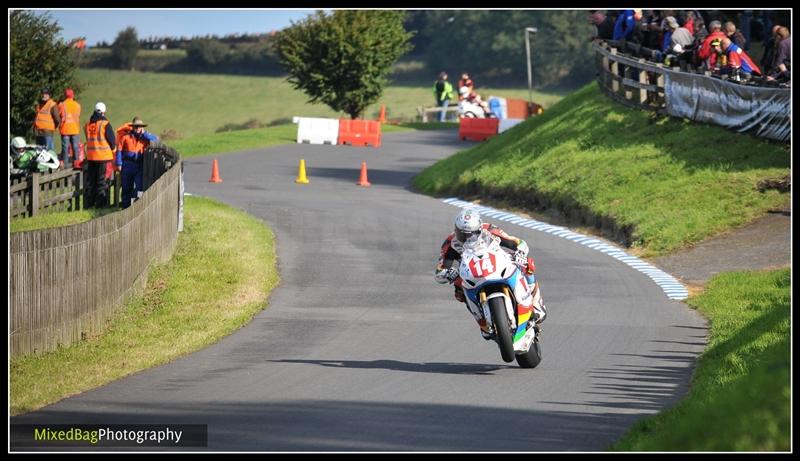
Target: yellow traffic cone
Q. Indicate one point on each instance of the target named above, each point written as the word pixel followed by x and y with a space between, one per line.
pixel 301 175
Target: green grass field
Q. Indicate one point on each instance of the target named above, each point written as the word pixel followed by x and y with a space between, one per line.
pixel 740 399
pixel 206 291
pixel 194 105
pixel 672 182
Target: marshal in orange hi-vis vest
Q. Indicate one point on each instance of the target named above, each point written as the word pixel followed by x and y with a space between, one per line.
pixel 97 148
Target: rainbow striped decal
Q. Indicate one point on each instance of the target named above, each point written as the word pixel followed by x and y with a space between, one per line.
pixel 523 314
pixel 671 287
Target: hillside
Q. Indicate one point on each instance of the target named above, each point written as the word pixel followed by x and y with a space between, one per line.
pixel 654 183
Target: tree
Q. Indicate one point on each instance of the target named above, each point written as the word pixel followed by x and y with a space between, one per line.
pixel 342 59
pixel 39 59
pixel 125 48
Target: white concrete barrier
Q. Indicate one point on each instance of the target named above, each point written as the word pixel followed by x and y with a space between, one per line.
pixel 508 123
pixel 317 130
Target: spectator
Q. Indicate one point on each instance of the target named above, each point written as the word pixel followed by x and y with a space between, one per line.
pixel 443 92
pixel 465 94
pixel 604 25
pixel 705 54
pixel 770 48
pixel 70 112
pixel 626 22
pixel 734 35
pixel 737 59
pixel 47 119
pixel 652 30
pixel 465 82
pixel 100 142
pixel 781 65
pixel 688 21
pixel 679 37
pixel 130 157
pixel 745 19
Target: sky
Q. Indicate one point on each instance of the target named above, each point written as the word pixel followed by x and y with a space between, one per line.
pixel 104 25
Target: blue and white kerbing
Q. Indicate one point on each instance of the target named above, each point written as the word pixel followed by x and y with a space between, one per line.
pixel 672 288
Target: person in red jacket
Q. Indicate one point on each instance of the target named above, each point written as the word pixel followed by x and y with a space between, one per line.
pixel 465 82
pixel 705 53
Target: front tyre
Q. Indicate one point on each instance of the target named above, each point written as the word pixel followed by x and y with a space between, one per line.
pixel 502 328
pixel 531 358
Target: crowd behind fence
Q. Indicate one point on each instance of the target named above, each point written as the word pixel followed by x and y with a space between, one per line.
pixel 639 83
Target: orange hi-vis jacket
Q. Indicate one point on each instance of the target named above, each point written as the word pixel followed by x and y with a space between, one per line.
pixel 44 119
pixel 97 146
pixel 70 112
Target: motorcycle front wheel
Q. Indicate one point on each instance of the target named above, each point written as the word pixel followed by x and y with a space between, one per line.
pixel 502 329
pixel 531 358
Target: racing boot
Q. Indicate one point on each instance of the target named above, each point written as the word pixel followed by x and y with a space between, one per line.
pixel 484 329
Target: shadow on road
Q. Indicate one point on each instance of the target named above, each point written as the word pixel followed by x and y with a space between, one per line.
pixel 424 367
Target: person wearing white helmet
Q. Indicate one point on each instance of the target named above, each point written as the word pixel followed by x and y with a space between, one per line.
pixel 469 223
pixel 25 158
pixel 100 145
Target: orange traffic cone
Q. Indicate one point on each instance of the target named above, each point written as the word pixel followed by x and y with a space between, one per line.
pixel 363 180
pixel 215 172
pixel 301 174
pixel 382 117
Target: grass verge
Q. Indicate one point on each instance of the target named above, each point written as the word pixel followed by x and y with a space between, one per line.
pixel 207 290
pixel 665 183
pixel 740 398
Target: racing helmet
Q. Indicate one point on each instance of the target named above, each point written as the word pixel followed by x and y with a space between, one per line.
pixel 463 91
pixel 468 223
pixel 18 144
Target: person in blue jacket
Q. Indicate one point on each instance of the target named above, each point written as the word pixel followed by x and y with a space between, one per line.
pixel 626 21
pixel 130 158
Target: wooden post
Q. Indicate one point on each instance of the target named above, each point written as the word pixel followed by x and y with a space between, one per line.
pixel 660 83
pixel 642 80
pixel 614 72
pixel 33 209
pixel 627 75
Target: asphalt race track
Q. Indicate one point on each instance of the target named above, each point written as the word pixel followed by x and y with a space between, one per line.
pixel 360 350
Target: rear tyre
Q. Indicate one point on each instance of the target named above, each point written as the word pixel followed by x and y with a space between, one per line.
pixel 502 328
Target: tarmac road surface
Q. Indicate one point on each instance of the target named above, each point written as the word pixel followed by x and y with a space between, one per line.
pixel 360 350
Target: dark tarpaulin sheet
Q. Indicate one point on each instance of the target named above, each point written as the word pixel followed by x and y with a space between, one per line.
pixel 766 112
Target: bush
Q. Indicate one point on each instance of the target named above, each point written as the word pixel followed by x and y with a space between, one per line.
pixel 125 48
pixel 206 51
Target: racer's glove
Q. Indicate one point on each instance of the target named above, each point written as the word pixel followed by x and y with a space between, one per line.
pixel 452 274
pixel 521 258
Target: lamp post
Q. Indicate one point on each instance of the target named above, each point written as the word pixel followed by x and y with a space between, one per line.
pixel 528 31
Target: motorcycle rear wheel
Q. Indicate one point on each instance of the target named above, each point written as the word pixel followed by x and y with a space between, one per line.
pixel 531 358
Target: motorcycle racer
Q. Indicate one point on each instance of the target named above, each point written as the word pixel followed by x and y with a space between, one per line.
pixel 469 223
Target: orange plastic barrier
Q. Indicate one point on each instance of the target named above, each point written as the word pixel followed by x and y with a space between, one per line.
pixel 477 129
pixel 360 132
pixel 517 108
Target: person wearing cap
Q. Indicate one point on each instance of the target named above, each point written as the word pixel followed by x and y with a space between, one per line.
pixel 677 38
pixel 47 119
pixel 130 157
pixel 70 128
pixel 100 143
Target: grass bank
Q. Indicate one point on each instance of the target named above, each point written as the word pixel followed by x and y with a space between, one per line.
pixel 658 184
pixel 206 291
pixel 740 399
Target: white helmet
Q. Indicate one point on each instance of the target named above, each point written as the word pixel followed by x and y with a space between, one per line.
pixel 100 107
pixel 18 143
pixel 463 90
pixel 468 223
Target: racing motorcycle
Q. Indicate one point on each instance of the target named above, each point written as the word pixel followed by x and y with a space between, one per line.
pixel 467 109
pixel 35 159
pixel 496 290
